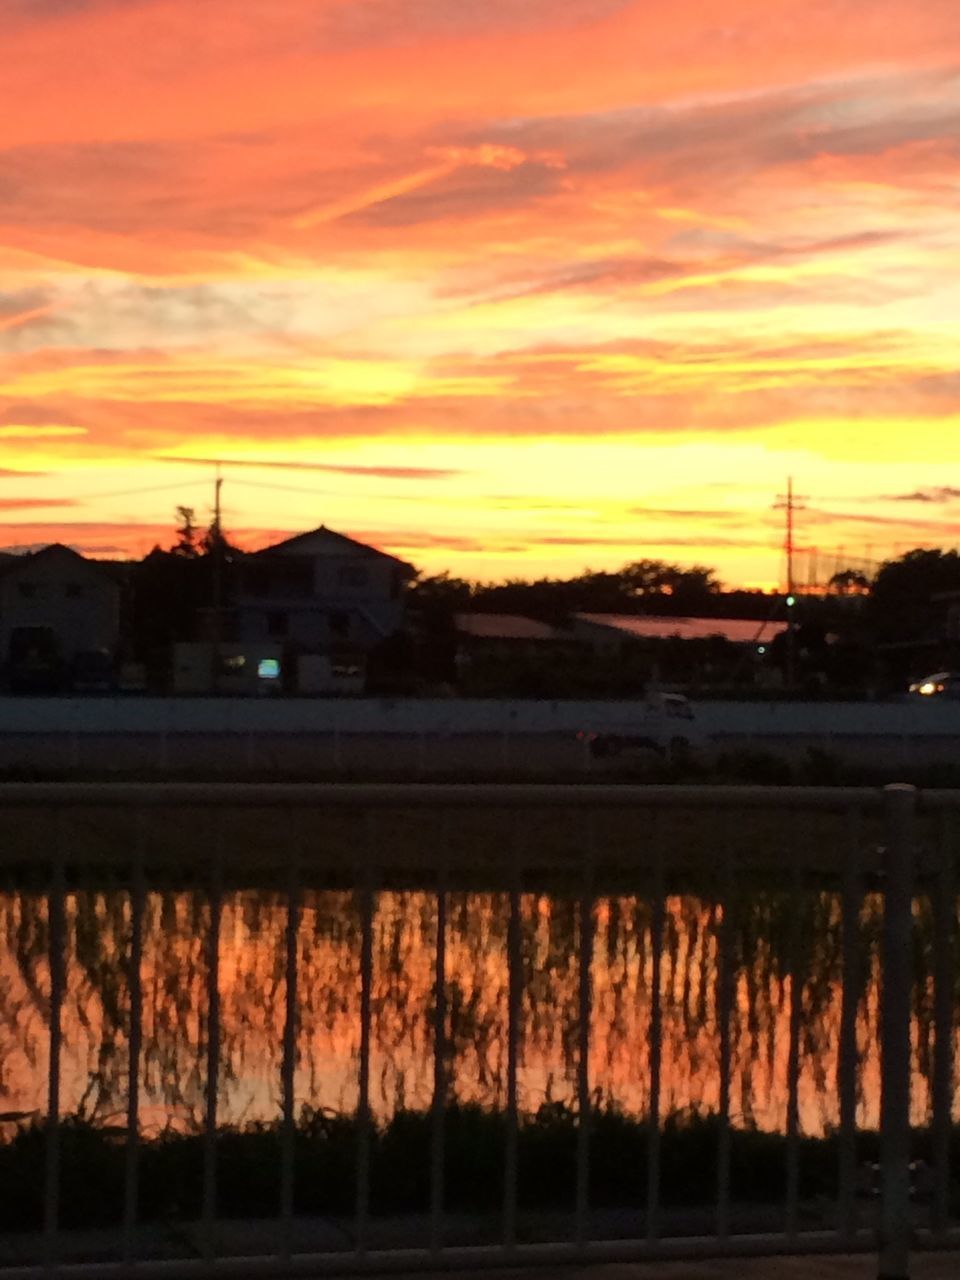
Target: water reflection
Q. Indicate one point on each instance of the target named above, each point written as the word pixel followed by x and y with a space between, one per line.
pixel 252 988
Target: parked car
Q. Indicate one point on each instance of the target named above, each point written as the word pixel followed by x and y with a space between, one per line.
pixel 942 684
pixel 664 723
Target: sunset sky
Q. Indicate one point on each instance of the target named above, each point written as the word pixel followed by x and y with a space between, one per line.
pixel 503 286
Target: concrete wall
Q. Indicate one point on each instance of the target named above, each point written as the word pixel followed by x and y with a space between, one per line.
pixel 346 737
pixel 96 715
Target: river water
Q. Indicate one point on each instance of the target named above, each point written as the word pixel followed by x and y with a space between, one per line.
pixel 252 990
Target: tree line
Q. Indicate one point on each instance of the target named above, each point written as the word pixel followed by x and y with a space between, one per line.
pixel 865 634
pixel 865 631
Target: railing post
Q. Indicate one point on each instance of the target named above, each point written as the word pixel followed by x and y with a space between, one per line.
pixel 288 1070
pixel 514 1014
pixel 367 905
pixel 138 894
pixel 945 967
pixel 897 967
pixel 56 942
pixel 440 1074
pixel 848 1057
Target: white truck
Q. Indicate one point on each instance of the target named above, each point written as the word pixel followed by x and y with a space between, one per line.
pixel 664 723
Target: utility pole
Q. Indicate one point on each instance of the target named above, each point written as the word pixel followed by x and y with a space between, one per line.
pixel 216 551
pixel 791 653
pixel 788 545
pixel 217 486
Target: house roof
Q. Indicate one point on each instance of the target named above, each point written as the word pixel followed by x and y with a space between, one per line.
pixel 736 630
pixel 505 626
pixel 12 564
pixel 330 543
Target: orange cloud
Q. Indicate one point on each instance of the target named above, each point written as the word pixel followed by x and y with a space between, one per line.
pixel 311 229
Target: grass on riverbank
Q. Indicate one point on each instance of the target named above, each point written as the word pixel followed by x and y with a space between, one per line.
pixel 171 1166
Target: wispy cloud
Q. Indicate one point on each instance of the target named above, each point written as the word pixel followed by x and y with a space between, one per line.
pixel 937 494
pixel 335 235
pixel 356 469
pixel 35 504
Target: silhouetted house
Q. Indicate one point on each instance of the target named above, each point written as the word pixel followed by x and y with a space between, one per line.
pixel 321 593
pixel 55 605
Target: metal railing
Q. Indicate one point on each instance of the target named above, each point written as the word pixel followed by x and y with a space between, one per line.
pixel 893 844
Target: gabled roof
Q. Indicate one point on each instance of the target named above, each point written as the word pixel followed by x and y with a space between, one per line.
pixel 337 543
pixel 13 564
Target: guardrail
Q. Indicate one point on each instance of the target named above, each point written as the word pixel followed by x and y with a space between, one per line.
pixel 892 844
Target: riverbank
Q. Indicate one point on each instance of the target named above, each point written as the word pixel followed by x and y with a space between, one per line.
pixel 325 1150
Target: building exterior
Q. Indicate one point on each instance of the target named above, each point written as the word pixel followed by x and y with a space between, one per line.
pixel 504 634
pixel 505 653
pixel 244 670
pixel 607 632
pixel 321 594
pixel 55 605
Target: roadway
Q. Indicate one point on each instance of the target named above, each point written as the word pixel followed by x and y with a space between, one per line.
pixel 370 737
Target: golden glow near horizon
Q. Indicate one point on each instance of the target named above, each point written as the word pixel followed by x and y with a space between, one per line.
pixel 508 289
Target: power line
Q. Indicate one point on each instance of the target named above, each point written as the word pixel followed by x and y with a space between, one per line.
pixel 283 488
pixel 332 493
pixel 132 493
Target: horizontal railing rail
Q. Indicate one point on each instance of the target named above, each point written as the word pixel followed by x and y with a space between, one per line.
pixel 400 795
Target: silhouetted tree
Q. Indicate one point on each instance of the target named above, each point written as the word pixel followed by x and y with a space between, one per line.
pixel 169 589
pixel 849 582
pixel 902 604
pixel 440 595
pixel 186 545
pixel 645 586
pixel 433 603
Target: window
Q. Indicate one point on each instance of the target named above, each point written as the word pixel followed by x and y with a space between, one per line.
pixel 278 623
pixel 352 575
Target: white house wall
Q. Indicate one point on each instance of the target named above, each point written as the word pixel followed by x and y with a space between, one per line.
pixel 375 607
